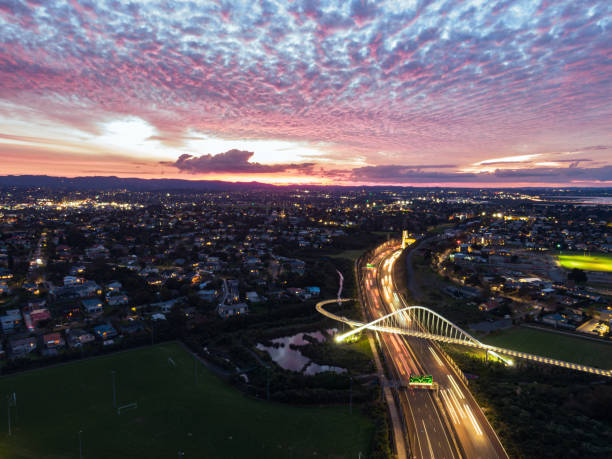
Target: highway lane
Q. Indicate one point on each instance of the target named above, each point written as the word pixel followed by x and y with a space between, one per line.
pixel 473 431
pixel 427 434
pixel 476 437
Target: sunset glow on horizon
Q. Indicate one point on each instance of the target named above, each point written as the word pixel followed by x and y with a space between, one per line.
pixel 419 92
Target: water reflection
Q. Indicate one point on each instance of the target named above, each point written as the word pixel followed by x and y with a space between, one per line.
pixel 292 359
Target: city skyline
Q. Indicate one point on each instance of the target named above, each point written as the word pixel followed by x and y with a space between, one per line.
pixel 421 93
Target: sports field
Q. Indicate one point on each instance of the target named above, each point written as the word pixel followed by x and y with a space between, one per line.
pixel 174 415
pixel 599 262
pixel 555 345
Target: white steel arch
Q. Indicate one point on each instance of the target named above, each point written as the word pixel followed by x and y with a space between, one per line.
pixel 422 322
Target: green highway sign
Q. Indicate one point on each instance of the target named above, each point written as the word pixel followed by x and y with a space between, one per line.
pixel 420 380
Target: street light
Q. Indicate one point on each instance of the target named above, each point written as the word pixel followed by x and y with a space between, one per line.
pixel 80 445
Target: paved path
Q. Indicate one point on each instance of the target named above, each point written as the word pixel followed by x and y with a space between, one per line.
pixel 574 335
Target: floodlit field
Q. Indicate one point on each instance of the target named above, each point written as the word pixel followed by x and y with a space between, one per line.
pixel 210 419
pixel 599 262
pixel 555 345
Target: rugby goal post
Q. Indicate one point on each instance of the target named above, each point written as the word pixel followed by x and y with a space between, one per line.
pixel 127 407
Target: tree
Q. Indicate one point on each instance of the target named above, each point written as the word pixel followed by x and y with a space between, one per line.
pixel 176 321
pixel 577 275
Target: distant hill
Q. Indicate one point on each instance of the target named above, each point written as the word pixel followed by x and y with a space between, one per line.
pixel 130 184
pixel 108 183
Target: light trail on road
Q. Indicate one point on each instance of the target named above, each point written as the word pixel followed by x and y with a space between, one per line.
pixel 441 425
pixel 436 356
pixel 419 408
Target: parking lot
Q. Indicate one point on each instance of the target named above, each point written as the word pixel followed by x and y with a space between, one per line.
pixel 594 327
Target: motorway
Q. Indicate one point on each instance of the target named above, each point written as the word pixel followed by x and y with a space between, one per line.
pixel 446 424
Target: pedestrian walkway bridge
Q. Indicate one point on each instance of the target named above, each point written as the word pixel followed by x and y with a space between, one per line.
pixel 421 322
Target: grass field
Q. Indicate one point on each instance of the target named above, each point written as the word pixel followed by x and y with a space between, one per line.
pixel 363 346
pixel 549 344
pixel 599 262
pixel 210 419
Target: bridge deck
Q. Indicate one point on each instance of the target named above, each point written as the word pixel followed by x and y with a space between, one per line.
pixel 420 319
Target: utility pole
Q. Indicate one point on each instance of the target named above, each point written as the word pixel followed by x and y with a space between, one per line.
pixel 340 287
pixel 341 284
pixel 11 400
pixel 80 445
pixel 351 395
pixel 195 369
pixel 114 390
pixel 268 383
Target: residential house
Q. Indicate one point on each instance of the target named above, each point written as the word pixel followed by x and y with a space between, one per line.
pixel 39 315
pixel 116 298
pixel 489 305
pixel 131 328
pixel 11 319
pixel 53 340
pixel 22 346
pixel 105 331
pixel 229 310
pixel 114 286
pixel 88 288
pixel 253 297
pixel 557 320
pixel 77 337
pixel 92 306
pixel 208 295
pixel 313 291
pixel 71 281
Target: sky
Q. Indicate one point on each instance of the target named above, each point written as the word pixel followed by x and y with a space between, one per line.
pixel 415 92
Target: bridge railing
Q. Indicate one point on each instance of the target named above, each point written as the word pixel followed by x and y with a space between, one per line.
pixel 408 321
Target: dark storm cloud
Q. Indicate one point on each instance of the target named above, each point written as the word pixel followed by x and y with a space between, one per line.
pixel 232 162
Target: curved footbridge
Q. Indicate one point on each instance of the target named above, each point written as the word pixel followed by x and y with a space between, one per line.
pixel 422 322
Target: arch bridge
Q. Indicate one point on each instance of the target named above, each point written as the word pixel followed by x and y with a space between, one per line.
pixel 422 322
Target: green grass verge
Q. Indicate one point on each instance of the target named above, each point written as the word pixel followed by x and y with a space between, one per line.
pixel 210 419
pixel 598 262
pixel 440 228
pixel 348 254
pixel 555 345
pixel 362 346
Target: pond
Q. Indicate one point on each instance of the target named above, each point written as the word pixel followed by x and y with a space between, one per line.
pixel 292 359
